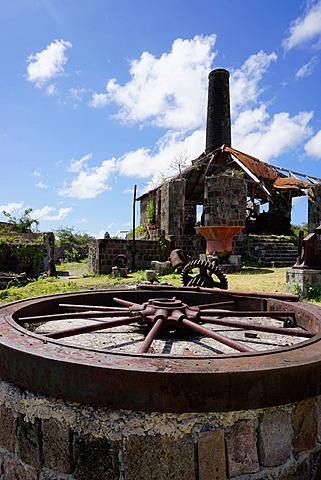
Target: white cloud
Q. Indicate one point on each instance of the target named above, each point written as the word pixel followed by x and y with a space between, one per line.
pixel 50 213
pixel 99 100
pixel 78 165
pixel 313 146
pixel 99 235
pixel 255 132
pixel 245 88
pixel 41 185
pixel 36 173
pixel 169 91
pixel 307 69
pixel 143 163
pixel 51 90
pixel 306 28
pixel 11 207
pixel 77 93
pixel 89 182
pixel 48 63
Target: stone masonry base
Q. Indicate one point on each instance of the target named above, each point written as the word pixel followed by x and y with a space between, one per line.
pixel 47 439
pixel 299 281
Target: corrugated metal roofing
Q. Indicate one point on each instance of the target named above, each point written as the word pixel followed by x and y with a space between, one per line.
pixel 264 179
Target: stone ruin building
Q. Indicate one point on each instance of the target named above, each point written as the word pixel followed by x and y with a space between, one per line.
pixel 229 187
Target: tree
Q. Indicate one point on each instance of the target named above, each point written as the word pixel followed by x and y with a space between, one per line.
pixel 180 162
pixel 68 235
pixel 24 224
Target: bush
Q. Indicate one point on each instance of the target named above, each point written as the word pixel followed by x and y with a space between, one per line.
pixel 72 256
pixel 314 293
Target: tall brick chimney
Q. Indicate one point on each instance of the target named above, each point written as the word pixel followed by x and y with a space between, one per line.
pixel 218 126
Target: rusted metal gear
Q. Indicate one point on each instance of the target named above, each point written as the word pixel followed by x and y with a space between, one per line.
pixel 205 276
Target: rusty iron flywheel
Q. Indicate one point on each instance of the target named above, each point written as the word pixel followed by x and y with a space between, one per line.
pixel 162 348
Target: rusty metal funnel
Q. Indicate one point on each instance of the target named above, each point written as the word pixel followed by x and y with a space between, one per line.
pixel 219 238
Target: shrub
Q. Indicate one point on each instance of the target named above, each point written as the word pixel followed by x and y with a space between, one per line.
pixel 314 293
pixel 72 256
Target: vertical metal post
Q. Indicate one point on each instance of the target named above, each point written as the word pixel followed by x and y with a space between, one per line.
pixel 134 227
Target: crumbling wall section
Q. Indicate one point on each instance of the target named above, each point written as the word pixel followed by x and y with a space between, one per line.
pixel 26 252
pixel 172 210
pixel 314 207
pixel 102 254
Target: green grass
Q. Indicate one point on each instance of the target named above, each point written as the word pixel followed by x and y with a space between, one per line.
pixel 75 276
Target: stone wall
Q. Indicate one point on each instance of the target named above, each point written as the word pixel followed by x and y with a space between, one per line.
pixel 36 249
pixel 144 202
pixel 48 439
pixel 190 217
pixel 314 208
pixel 102 254
pixel 192 245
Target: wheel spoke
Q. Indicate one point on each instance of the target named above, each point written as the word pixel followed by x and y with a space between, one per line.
pixel 216 336
pixel 98 308
pixel 257 326
pixel 93 327
pixel 151 336
pixel 71 316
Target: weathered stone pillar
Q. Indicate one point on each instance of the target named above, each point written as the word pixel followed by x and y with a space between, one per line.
pixel 314 207
pixel 173 207
pixel 225 200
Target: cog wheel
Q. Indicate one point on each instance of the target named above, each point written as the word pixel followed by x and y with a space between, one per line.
pixel 205 276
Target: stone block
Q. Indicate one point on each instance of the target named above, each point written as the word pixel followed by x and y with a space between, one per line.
pixel 15 470
pixel 242 456
pixel 7 429
pixel 299 470
pixel 95 458
pixel 304 426
pixel 158 457
pixel 119 272
pixel 274 438
pixel 211 455
pixel 151 275
pixel 301 280
pixel 318 417
pixel 47 474
pixel 315 465
pixel 57 446
pixel 29 442
pixel 162 268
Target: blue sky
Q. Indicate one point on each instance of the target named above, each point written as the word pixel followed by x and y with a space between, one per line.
pixel 100 95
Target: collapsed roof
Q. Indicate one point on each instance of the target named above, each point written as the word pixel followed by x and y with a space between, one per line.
pixel 264 180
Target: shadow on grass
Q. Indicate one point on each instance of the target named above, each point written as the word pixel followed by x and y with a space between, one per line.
pixel 255 270
pixel 63 273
